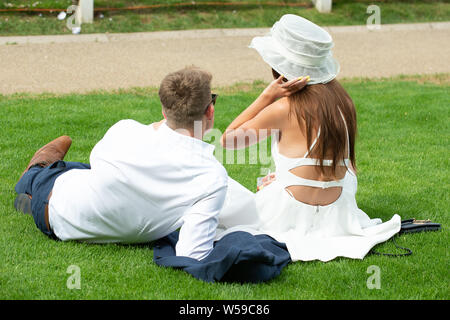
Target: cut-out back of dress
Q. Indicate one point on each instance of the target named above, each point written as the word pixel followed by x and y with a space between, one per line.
pixel 289 180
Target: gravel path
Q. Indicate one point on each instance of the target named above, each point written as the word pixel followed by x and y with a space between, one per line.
pixel 81 63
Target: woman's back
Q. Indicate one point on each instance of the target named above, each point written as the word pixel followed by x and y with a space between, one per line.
pixel 293 149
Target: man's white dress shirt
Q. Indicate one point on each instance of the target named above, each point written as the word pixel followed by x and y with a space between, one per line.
pixel 143 184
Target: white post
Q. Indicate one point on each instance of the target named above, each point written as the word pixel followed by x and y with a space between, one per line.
pixel 323 6
pixel 85 12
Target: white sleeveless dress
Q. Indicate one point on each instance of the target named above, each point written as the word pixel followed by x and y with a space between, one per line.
pixel 310 232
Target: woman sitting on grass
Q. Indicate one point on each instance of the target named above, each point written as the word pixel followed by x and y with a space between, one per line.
pixel 309 203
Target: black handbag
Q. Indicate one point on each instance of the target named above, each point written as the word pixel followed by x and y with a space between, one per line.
pixel 413 225
pixel 410 226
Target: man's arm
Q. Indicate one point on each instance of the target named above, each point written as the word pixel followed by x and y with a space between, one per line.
pixel 199 228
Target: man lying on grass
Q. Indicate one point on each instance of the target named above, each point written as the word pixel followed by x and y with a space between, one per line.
pixel 143 181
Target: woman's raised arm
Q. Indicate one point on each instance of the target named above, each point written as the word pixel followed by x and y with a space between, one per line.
pixel 266 113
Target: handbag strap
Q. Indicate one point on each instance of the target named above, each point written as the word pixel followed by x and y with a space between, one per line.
pixel 407 253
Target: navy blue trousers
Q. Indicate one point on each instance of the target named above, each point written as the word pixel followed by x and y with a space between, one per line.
pixel 38 182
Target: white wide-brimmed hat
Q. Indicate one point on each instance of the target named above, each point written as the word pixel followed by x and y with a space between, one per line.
pixel 296 47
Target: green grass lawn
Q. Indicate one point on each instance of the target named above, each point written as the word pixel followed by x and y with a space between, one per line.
pixel 256 14
pixel 403 162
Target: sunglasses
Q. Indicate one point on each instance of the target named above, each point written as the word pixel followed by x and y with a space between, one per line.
pixel 213 100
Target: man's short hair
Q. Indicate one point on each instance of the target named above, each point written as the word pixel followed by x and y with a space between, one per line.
pixel 184 95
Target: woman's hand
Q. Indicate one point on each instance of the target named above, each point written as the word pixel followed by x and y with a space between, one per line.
pixel 278 89
pixel 266 181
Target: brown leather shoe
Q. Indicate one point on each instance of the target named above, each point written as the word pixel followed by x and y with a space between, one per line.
pixel 51 152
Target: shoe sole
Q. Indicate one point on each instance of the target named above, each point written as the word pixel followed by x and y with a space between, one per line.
pixel 23 203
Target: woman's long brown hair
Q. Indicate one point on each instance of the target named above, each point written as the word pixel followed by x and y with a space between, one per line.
pixel 320 106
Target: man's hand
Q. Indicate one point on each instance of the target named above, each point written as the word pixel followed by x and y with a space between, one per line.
pixel 279 89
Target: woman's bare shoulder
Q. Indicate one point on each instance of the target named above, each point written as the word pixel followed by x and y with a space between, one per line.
pixel 278 110
pixel 281 105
